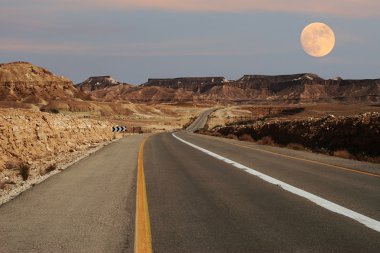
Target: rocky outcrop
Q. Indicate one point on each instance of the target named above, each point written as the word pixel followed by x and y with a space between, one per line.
pixel 296 88
pixel 28 135
pixel 358 134
pixel 194 84
pixel 41 139
pixel 97 82
pixel 25 83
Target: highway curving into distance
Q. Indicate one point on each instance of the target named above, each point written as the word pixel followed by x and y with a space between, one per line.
pixel 200 121
pixel 198 194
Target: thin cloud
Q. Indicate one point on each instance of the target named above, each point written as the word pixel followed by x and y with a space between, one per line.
pixel 343 8
pixel 349 8
pixel 169 48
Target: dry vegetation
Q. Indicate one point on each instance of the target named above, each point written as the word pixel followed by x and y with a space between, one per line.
pixel 55 121
pixel 251 113
pixel 347 131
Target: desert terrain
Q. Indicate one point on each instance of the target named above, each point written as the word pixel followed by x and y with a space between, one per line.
pixel 47 121
pixel 234 114
pixel 346 130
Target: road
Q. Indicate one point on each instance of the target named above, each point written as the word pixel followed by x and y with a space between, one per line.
pixel 201 204
pixel 201 121
pixel 89 207
pixel 202 194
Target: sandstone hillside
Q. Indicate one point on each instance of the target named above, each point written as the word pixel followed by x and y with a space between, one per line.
pixel 24 83
pixel 305 88
pixel 41 139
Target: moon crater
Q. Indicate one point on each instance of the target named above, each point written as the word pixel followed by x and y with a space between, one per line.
pixel 317 39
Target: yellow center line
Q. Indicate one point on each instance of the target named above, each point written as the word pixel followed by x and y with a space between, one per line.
pixel 311 161
pixel 143 238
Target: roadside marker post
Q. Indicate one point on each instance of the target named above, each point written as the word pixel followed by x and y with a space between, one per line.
pixel 119 129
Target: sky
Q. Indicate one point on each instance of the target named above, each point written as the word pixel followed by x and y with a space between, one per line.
pixel 133 40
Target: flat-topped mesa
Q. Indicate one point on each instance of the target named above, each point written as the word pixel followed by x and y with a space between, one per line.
pixel 267 81
pixel 97 82
pixel 195 84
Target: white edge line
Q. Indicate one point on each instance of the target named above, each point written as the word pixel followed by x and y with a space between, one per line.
pixel 368 222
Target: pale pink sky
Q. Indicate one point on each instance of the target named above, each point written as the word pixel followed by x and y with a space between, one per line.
pixel 133 40
pixel 350 8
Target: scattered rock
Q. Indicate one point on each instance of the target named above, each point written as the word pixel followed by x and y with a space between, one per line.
pixel 349 136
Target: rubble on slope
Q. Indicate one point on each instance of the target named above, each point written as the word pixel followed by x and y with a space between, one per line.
pixel 38 142
pixel 359 135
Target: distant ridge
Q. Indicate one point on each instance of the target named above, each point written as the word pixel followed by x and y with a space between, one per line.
pixel 25 83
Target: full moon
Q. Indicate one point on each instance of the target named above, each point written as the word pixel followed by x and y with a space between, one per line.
pixel 317 39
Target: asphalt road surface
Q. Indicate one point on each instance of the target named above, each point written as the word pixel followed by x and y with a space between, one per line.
pixel 199 201
pixel 89 207
pixel 201 121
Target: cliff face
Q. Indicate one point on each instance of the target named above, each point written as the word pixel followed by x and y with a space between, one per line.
pixel 194 84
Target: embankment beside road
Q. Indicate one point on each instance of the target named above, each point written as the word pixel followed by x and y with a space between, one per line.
pixel 34 143
pixel 356 137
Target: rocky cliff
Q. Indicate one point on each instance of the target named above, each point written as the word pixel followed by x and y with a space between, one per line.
pixel 194 84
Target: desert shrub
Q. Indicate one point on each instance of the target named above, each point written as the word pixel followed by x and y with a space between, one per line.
pixel 266 140
pixel 51 168
pixel 216 127
pixel 49 110
pixel 54 110
pixel 343 153
pixel 370 159
pixel 11 165
pixel 190 121
pixel 295 146
pixel 231 136
pixel 246 137
pixel 24 171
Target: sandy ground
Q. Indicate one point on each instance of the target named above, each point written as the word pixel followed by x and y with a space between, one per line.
pixel 69 135
pixel 153 118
